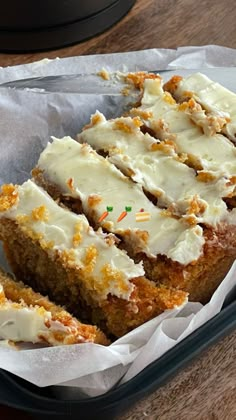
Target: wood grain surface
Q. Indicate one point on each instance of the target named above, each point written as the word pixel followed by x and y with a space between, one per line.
pixel 205 390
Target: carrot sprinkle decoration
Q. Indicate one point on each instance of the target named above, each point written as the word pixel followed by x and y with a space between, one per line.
pixel 124 213
pixel 122 216
pixel 105 214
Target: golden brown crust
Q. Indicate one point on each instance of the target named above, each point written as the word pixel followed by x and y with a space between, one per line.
pixel 148 302
pixel 201 278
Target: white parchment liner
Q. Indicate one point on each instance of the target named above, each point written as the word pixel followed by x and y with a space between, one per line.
pixel 28 119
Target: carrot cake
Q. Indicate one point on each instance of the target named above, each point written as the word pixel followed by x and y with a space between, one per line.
pixel 170 160
pixel 174 252
pixel 27 316
pixel 217 102
pixel 58 252
pixel 135 215
pixel 160 170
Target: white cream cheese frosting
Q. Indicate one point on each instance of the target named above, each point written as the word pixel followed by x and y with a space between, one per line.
pixel 24 324
pixel 80 172
pixel 158 168
pixel 19 322
pixel 105 268
pixel 214 97
pixel 215 152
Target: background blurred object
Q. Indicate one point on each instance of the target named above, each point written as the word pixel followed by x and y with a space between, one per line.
pixel 26 26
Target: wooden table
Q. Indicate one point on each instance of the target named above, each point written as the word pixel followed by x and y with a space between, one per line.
pixel 206 389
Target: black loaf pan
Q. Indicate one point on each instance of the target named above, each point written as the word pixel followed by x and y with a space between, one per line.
pixel 29 25
pixel 42 404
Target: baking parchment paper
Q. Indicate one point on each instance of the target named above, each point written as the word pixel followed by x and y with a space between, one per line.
pixel 28 119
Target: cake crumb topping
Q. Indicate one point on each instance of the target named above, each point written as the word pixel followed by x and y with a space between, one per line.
pixel 40 214
pixel 166 146
pixel 169 98
pixel 8 196
pixel 104 74
pixel 172 84
pixel 90 259
pixel 145 115
pixel 77 237
pixel 205 176
pixel 95 119
pixel 139 77
pixel 94 200
pixel 127 126
pixel 111 275
pixel 70 183
pixel 196 206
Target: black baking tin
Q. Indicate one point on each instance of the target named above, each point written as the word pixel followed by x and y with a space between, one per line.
pixel 41 402
pixel 26 25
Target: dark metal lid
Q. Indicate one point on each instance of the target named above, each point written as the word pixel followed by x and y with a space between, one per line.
pixel 24 26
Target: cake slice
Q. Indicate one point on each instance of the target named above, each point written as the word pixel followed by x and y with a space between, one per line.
pixel 194 134
pixel 217 101
pixel 78 172
pixel 176 252
pixel 159 169
pixel 27 316
pixel 58 253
